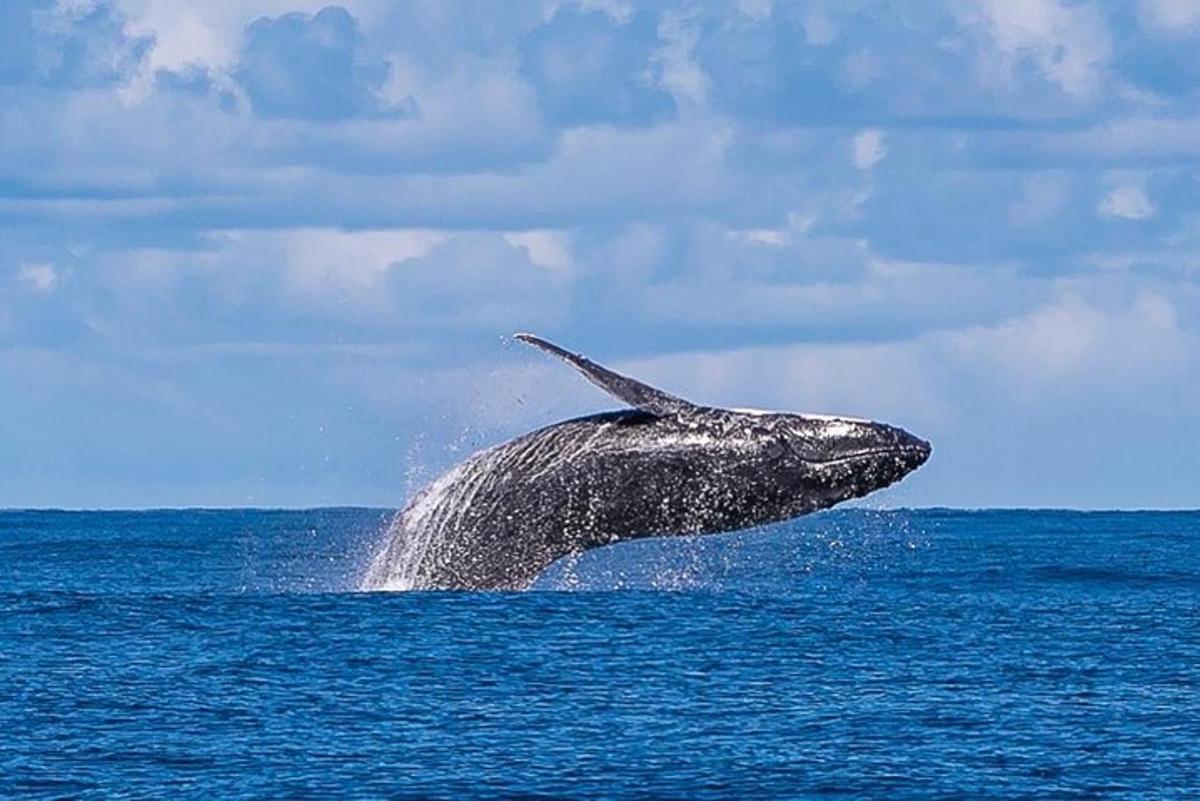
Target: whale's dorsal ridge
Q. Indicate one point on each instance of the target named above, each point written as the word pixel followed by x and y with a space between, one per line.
pixel 630 390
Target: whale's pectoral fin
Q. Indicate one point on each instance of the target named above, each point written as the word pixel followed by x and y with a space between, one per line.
pixel 630 390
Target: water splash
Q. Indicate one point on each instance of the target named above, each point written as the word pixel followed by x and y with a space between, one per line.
pixel 411 535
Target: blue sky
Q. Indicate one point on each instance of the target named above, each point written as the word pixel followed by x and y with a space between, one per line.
pixel 266 253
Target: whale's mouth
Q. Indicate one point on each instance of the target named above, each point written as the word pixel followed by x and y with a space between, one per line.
pixel 914 455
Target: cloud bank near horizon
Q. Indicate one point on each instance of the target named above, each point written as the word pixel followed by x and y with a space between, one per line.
pixel 263 252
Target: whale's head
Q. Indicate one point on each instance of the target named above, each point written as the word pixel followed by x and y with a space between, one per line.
pixel 816 461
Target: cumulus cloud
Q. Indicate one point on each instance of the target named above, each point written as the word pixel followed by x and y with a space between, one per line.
pixel 1126 203
pixel 868 148
pixel 695 285
pixel 210 34
pixel 984 59
pixel 588 67
pixel 307 286
pixel 38 277
pixel 477 114
pixel 1072 342
pixel 310 67
pixel 1069 44
pixel 550 249
pixel 67 45
pixel 331 262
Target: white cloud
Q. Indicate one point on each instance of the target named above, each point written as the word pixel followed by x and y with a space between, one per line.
pixel 816 286
pixel 1069 43
pixel 1126 203
pixel 798 225
pixel 869 148
pixel 871 380
pixel 461 109
pixel 682 76
pixel 322 259
pixel 1073 345
pixel 593 171
pixel 1171 14
pixel 38 277
pixel 185 34
pixel 545 248
pixel 211 33
pixel 770 237
pixel 756 9
pixel 317 285
pixel 619 10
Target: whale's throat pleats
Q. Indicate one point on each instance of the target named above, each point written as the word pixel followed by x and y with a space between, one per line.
pixel 637 394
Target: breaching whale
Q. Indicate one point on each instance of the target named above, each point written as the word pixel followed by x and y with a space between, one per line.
pixel 666 466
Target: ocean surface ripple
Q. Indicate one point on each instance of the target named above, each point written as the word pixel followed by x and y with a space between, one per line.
pixel 851 654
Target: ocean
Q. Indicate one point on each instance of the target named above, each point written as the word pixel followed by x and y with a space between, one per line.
pixel 928 654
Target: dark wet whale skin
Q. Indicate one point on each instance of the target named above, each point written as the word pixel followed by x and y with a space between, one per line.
pixel 499 519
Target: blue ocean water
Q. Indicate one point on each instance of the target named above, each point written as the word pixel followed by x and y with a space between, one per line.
pixel 851 654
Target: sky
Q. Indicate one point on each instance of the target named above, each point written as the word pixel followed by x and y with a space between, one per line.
pixel 269 253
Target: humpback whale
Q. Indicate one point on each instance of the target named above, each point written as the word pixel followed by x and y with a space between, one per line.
pixel 663 466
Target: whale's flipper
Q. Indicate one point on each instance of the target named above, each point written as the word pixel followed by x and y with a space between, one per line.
pixel 634 392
